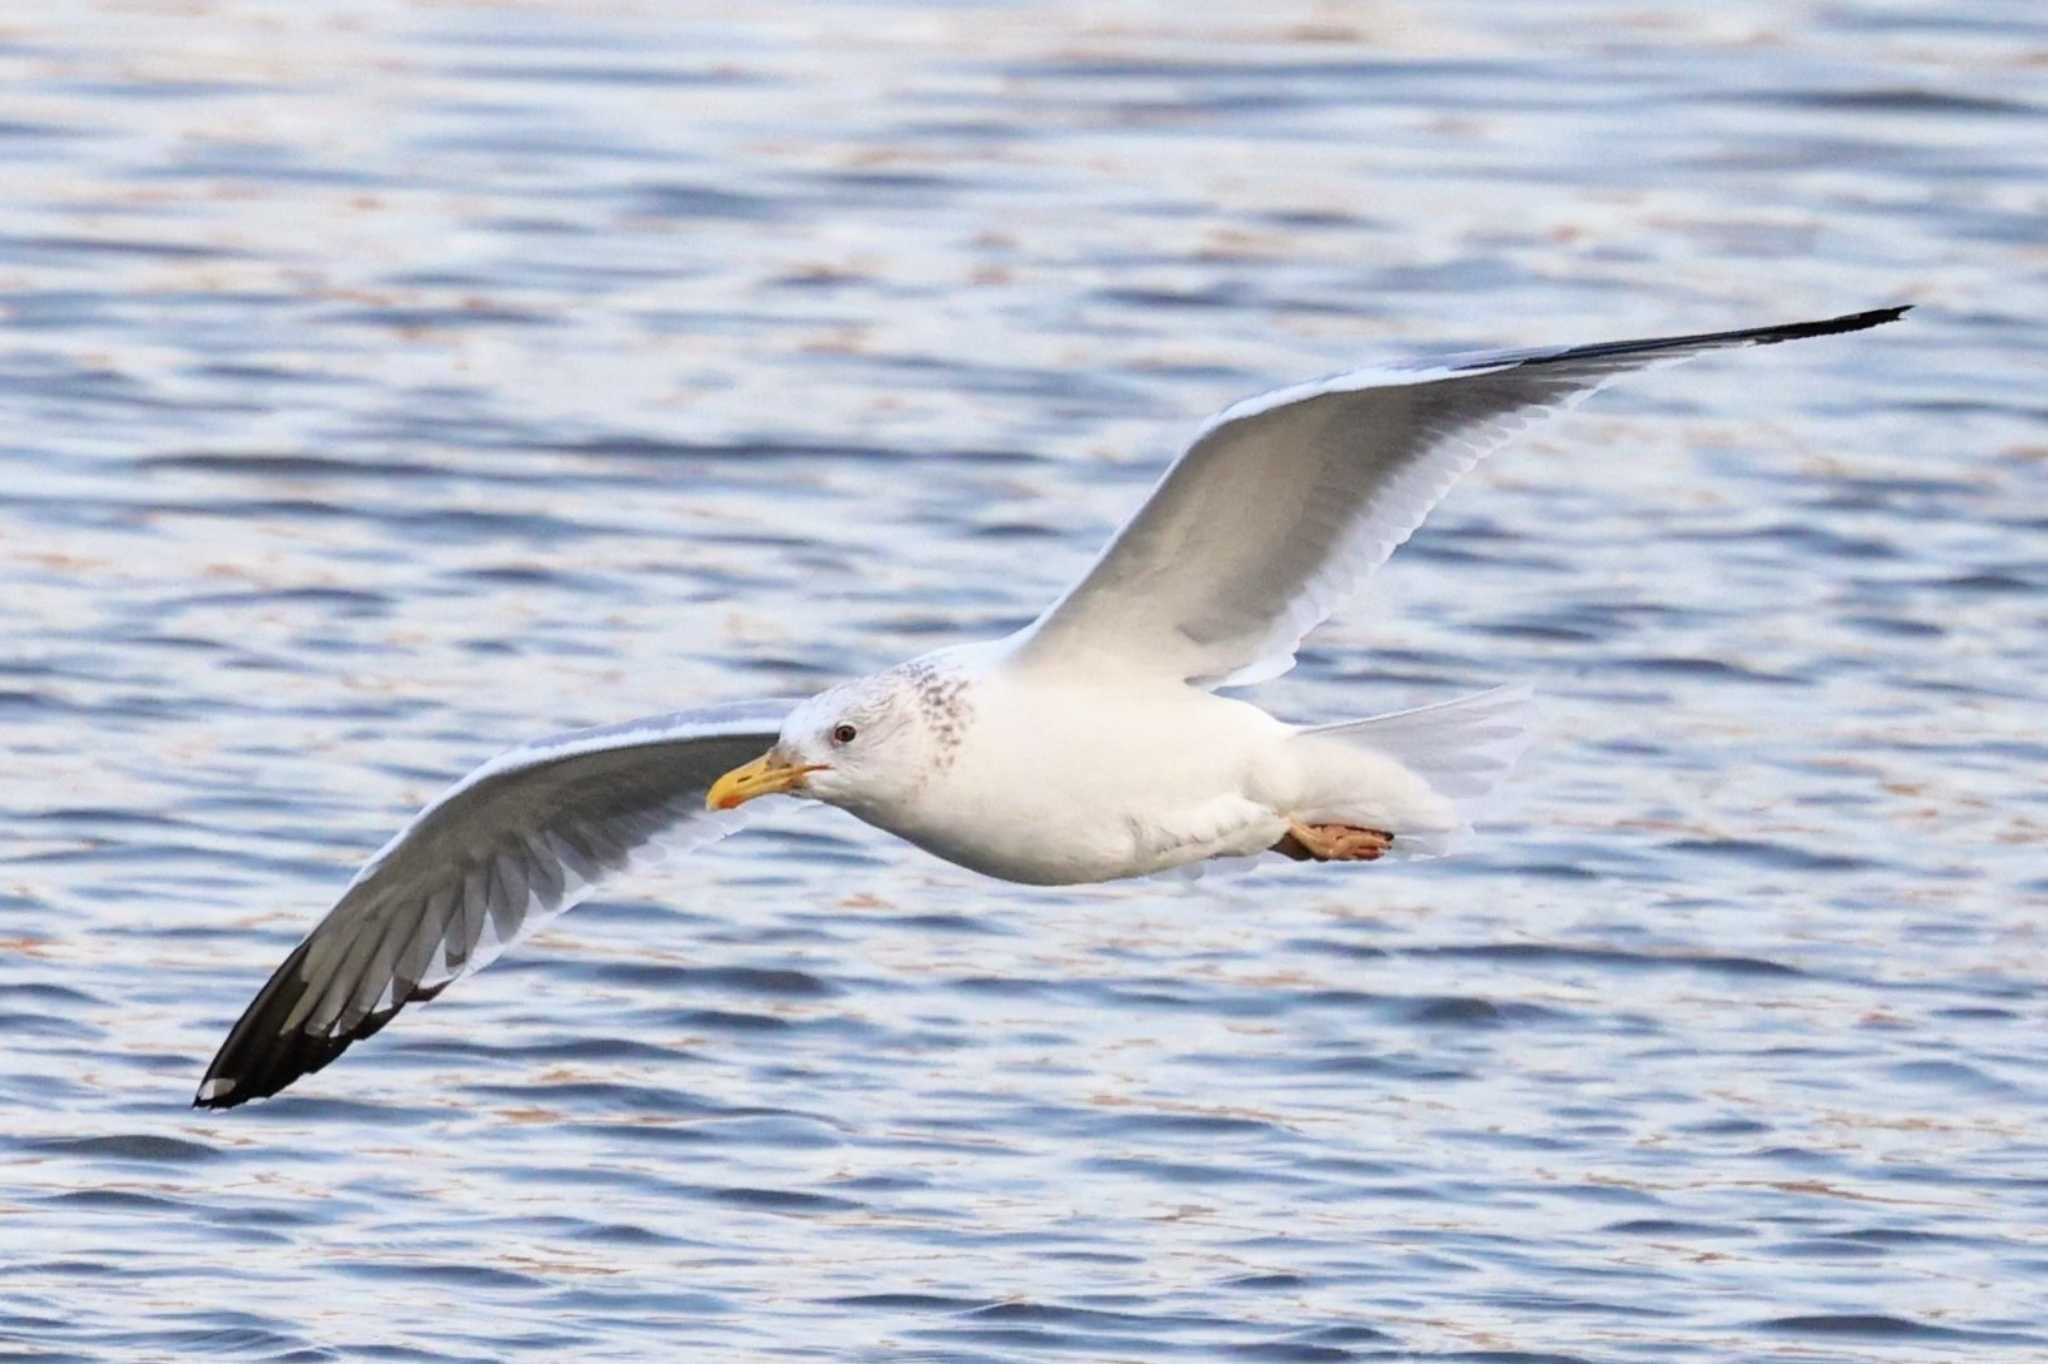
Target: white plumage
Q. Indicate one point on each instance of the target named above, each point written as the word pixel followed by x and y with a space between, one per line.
pixel 1088 746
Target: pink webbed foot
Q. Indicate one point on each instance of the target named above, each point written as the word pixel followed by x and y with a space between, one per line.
pixel 1333 843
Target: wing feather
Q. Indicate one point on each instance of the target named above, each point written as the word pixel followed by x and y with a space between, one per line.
pixel 1285 503
pixel 518 841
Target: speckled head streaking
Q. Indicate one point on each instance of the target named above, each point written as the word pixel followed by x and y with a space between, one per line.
pixel 869 745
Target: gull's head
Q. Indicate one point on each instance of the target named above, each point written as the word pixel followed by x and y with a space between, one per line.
pixel 864 745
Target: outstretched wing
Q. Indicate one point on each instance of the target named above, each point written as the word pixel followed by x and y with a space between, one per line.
pixel 510 846
pixel 1286 502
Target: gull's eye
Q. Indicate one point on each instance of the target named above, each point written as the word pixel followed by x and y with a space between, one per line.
pixel 844 734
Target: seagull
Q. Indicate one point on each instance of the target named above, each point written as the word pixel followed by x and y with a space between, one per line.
pixel 1090 745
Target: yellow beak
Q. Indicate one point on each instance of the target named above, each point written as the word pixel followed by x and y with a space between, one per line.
pixel 766 775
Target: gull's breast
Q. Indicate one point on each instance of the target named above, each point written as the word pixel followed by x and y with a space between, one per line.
pixel 1056 782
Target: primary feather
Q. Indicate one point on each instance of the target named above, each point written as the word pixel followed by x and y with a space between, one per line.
pixel 521 839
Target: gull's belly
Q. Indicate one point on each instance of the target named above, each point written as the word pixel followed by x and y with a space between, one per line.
pixel 1037 844
pixel 1076 787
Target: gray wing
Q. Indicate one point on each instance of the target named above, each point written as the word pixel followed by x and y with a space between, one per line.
pixel 1285 503
pixel 513 844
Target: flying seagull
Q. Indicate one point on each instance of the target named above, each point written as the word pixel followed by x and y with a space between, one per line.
pixel 1089 745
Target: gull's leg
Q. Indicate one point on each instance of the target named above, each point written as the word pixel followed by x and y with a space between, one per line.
pixel 1332 843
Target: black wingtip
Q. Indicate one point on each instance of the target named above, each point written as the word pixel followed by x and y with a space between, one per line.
pixel 1650 347
pixel 261 1055
pixel 1850 322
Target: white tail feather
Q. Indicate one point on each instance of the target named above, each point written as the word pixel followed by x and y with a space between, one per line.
pixel 1463 748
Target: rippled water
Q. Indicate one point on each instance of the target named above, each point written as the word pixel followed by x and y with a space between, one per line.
pixel 386 384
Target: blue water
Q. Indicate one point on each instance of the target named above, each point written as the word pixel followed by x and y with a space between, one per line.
pixel 385 385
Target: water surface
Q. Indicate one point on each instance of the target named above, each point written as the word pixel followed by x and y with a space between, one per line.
pixel 385 385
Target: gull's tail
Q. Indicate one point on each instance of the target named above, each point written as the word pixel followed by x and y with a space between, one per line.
pixel 1462 749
